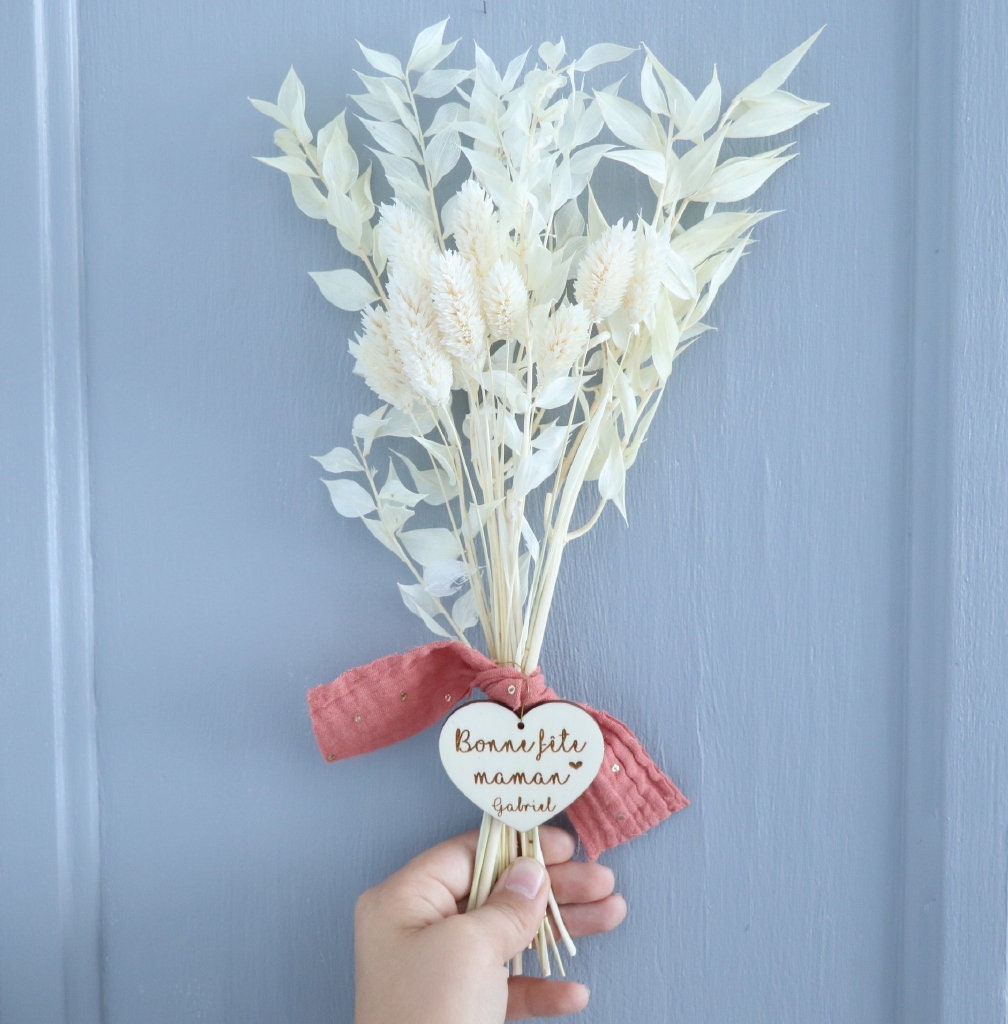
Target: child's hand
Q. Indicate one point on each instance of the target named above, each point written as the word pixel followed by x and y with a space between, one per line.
pixel 420 960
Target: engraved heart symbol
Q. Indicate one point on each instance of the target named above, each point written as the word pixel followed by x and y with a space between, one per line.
pixel 519 769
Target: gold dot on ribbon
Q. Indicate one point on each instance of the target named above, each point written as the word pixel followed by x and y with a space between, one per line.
pixel 615 768
pixel 447 698
pixel 356 718
pixel 402 696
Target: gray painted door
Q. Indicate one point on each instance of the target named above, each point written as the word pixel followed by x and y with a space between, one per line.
pixel 805 621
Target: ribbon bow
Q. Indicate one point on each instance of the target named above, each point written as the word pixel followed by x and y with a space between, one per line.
pixel 397 696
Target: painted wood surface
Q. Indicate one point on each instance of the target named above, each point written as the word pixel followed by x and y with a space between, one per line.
pixel 804 622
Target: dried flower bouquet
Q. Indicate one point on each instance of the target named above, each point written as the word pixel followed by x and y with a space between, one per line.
pixel 518 341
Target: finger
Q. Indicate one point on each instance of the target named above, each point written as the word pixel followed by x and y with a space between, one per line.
pixel 431 885
pixel 556 843
pixel 594 918
pixel 512 913
pixel 578 882
pixel 536 997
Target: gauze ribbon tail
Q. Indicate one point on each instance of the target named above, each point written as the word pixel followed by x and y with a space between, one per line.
pixel 397 696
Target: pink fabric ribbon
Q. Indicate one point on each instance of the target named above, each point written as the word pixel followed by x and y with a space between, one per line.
pixel 397 696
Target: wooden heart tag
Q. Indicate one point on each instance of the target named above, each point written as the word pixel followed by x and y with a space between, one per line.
pixel 521 770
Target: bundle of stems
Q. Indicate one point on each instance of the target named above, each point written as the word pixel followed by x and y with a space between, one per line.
pixel 519 342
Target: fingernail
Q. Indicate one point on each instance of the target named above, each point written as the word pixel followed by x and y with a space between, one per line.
pixel 525 877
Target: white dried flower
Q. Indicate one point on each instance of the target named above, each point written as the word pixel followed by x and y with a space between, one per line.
pixel 605 271
pixel 563 340
pixel 379 363
pixel 505 301
pixel 455 298
pixel 651 259
pixel 414 333
pixel 471 218
pixel 406 239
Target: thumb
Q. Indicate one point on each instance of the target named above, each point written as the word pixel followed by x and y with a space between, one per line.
pixel 511 915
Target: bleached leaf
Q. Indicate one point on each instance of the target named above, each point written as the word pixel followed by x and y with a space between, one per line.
pixel 269 109
pixel 393 138
pixel 383 62
pixel 601 53
pixel 349 498
pixel 556 393
pixel 680 99
pixel 477 131
pixel 512 71
pixel 394 491
pixel 771 115
pixel 341 212
pixel 439 82
pixel 646 161
pixel 307 198
pixel 651 91
pixel 366 426
pixel 664 339
pixel 713 234
pixel 612 479
pixel 775 75
pixel 531 540
pixel 442 579
pixel 678 276
pixel 339 460
pixel 629 123
pixel 339 161
pixel 464 612
pixel 421 604
pixel 398 423
pixel 291 165
pixel 552 53
pixel 345 288
pixel 433 484
pixel 443 154
pixel 534 468
pixel 428 40
pixel 291 103
pixel 431 545
pixel 697 164
pixel 381 533
pixel 439 453
pixel 705 111
pixel 740 177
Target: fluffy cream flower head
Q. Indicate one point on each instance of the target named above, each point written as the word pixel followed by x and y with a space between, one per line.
pixel 605 271
pixel 457 310
pixel 378 361
pixel 563 340
pixel 471 218
pixel 406 239
pixel 505 301
pixel 414 333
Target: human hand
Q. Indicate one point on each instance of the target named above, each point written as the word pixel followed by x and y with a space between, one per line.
pixel 420 959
